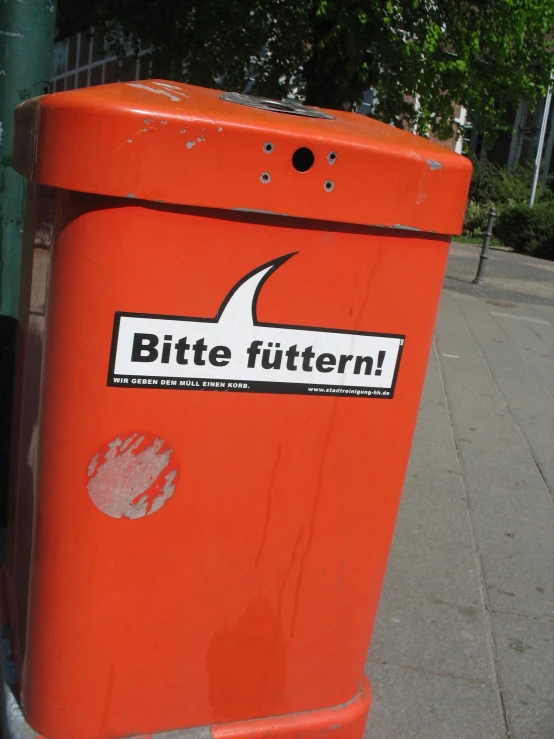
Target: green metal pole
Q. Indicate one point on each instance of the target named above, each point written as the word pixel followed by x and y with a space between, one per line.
pixel 27 29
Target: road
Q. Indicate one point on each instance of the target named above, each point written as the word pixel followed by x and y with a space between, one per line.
pixel 509 278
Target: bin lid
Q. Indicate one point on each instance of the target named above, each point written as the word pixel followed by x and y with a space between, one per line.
pixel 186 145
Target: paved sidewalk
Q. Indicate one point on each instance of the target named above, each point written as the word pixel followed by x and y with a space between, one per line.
pixel 464 641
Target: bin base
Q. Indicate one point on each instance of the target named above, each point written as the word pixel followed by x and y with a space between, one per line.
pixel 346 721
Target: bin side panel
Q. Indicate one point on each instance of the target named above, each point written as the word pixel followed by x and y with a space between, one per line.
pixel 251 587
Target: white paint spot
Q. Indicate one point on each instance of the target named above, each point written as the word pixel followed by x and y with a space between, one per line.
pixel 132 477
pixel 173 98
pixel 219 130
pixel 190 144
pixel 450 356
pixel 405 228
pixel 433 164
pixel 129 141
pixel 167 86
pixel 396 620
pixel 12 34
pixel 92 464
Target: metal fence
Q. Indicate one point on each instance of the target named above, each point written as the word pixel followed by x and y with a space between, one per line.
pixel 87 59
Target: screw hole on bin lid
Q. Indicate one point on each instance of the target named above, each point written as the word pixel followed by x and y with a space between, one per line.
pixel 268 147
pixel 329 185
pixel 332 157
pixel 265 177
pixel 303 159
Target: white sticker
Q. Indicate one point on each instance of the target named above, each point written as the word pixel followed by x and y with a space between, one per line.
pixel 236 352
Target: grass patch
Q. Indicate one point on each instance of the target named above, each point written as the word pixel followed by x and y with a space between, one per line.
pixel 477 241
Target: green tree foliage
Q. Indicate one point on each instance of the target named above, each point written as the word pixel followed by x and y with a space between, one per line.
pixel 528 230
pixel 421 55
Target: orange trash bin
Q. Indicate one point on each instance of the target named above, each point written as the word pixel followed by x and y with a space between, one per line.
pixel 234 301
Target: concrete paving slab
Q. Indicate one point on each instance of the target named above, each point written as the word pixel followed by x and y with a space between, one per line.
pixel 433 423
pixel 444 459
pixel 426 634
pixel 432 389
pixel 489 441
pixel 540 358
pixel 532 334
pixel 528 717
pixel 440 519
pixel 492 500
pixel 470 388
pixel 515 554
pixel 522 389
pixel 436 571
pixel 434 505
pixel 523 340
pixel 410 704
pixel 533 412
pixel 452 335
pixel 525 656
pixel 433 426
pixel 508 464
pixel 496 344
pixel 458 353
pixel 546 311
